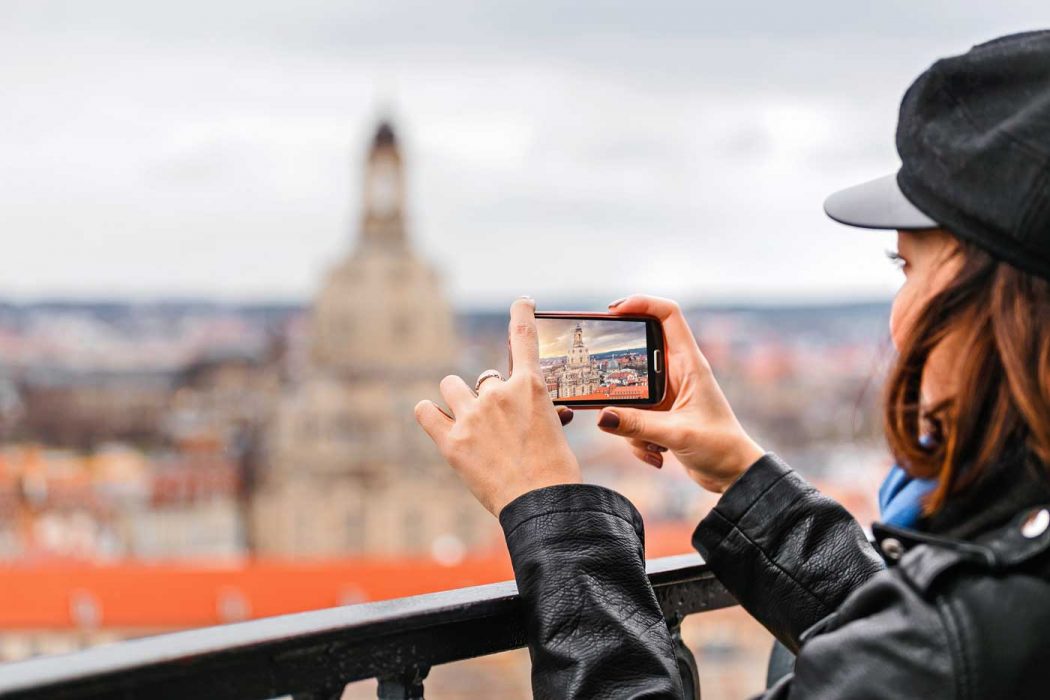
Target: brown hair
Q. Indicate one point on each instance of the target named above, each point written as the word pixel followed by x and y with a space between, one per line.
pixel 1000 316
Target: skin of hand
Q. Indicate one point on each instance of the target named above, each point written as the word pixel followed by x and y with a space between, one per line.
pixel 699 428
pixel 507 439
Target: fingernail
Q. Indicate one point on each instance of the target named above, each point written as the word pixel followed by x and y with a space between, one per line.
pixel 608 419
pixel 654 460
pixel 617 302
pixel 526 297
pixel 655 448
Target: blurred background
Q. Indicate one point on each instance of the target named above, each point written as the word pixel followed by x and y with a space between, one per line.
pixel 242 239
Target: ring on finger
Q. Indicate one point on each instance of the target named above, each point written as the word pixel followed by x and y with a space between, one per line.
pixel 487 374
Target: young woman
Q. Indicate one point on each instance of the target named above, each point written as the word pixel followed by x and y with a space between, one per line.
pixel 953 600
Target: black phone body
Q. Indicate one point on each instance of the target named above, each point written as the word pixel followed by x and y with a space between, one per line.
pixel 591 360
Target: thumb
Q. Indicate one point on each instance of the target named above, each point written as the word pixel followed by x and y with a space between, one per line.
pixel 635 423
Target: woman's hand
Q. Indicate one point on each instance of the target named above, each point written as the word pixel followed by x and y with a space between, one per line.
pixel 699 428
pixel 506 440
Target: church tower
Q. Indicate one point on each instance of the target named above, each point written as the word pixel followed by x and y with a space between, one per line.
pixel 350 472
pixel 381 311
pixel 383 212
pixel 578 353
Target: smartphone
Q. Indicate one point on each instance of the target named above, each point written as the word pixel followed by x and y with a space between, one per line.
pixel 590 360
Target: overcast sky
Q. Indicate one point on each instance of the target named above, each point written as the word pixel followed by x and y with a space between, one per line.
pixel 564 150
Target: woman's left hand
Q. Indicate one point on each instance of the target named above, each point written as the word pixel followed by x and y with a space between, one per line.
pixel 507 439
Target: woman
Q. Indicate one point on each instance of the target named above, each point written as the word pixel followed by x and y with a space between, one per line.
pixel 954 599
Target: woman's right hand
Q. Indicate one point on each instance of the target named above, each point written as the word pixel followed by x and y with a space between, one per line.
pixel 699 428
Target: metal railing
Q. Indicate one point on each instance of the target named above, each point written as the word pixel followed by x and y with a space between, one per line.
pixel 313 655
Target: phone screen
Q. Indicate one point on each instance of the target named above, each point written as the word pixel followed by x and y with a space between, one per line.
pixel 597 361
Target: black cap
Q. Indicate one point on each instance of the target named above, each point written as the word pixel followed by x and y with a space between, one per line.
pixel 974 141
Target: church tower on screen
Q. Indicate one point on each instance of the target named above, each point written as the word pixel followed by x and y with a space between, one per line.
pixel 350 472
pixel 578 354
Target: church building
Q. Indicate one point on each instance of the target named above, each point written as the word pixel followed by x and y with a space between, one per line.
pixel 578 377
pixel 348 470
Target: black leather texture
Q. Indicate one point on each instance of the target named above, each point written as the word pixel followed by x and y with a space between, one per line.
pixel 936 618
pixel 593 624
pixel 788 554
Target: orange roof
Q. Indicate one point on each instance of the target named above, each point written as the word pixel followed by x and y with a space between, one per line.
pixel 178 595
pixel 63 595
pixel 606 392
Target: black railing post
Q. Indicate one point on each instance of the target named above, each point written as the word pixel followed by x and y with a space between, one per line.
pixel 407 685
pixel 687 667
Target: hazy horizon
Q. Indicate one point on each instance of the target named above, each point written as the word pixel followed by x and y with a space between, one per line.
pixel 551 304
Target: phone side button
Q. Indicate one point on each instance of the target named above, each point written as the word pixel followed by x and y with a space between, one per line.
pixel 656 362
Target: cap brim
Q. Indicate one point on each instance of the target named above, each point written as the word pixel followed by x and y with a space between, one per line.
pixel 876 204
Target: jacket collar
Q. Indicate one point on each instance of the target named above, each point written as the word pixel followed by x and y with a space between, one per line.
pixel 923 557
pixel 1016 483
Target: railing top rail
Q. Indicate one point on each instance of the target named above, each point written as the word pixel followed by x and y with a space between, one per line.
pixel 324 648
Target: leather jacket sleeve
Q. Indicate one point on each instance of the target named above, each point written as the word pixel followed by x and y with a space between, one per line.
pixel 885 642
pixel 948 619
pixel 789 555
pixel 593 625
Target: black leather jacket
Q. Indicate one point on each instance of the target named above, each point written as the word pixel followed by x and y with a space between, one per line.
pixel 926 615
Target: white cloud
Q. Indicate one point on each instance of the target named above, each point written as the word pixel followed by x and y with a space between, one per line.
pixel 684 149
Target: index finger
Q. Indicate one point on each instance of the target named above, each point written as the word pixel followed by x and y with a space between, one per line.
pixel 676 328
pixel 524 343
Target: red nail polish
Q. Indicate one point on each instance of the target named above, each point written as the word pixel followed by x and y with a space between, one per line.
pixel 608 420
pixel 654 460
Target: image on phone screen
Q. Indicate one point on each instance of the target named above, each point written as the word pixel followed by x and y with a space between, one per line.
pixel 595 360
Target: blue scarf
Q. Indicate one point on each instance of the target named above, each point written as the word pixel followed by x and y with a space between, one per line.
pixel 900 498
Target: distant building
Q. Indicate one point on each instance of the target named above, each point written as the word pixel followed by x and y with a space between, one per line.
pixel 218 396
pixel 578 376
pixel 117 502
pixel 348 470
pixel 623 377
pixel 85 410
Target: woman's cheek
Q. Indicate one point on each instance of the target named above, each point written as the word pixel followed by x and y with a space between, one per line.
pixel 900 315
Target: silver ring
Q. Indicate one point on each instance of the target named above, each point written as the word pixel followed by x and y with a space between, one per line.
pixel 487 374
